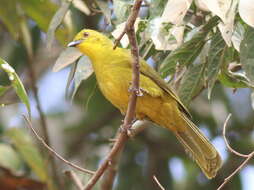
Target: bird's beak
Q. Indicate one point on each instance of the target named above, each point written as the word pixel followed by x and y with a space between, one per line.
pixel 74 43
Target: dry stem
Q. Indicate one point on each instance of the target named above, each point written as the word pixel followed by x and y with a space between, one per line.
pixel 130 114
pixel 244 163
pixel 53 152
pixel 158 183
pixel 75 179
pixel 43 121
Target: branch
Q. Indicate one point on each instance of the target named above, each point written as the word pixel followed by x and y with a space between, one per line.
pixel 75 179
pixel 43 121
pixel 130 24
pixel 158 183
pixel 130 114
pixel 244 163
pixel 226 141
pixel 53 152
pixel 36 96
pixel 109 176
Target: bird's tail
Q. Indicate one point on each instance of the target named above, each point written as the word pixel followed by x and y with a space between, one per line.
pixel 200 149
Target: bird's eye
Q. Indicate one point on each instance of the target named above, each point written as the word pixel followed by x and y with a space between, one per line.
pixel 86 34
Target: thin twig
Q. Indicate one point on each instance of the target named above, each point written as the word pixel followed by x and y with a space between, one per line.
pixel 43 121
pixel 110 173
pixel 75 179
pixel 114 151
pixel 53 152
pixel 130 22
pixel 130 114
pixel 226 141
pixel 244 163
pixel 38 103
pixel 158 183
pixel 227 179
pixel 109 176
pixel 117 40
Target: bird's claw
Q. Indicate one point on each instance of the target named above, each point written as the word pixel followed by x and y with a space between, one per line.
pixel 121 129
pixel 128 130
pixel 130 133
pixel 138 92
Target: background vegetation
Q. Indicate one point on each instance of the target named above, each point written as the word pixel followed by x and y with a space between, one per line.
pixel 202 48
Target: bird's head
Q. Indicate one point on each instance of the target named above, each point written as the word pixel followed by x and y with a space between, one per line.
pixel 90 42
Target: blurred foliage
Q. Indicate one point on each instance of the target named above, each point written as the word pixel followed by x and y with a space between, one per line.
pixel 208 59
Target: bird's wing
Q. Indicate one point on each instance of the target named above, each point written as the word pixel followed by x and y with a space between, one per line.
pixel 148 71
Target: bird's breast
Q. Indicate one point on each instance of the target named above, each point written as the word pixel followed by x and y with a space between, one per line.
pixel 114 87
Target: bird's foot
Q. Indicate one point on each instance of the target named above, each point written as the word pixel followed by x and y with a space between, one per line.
pixel 130 133
pixel 121 129
pixel 138 92
pixel 127 129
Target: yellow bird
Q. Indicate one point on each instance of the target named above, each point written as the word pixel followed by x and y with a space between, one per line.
pixel 113 70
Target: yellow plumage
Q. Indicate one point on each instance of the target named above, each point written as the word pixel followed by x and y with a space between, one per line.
pixel 159 103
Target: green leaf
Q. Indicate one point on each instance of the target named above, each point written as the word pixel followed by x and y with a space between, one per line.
pixel 234 80
pixel 16 84
pixel 83 71
pixel 26 36
pixel 246 53
pixel 216 57
pixel 41 12
pixel 30 154
pixel 188 51
pixel 56 21
pixel 3 89
pixel 191 83
pixel 238 35
pixel 82 6
pixel 104 7
pixel 67 57
pixel 10 20
pixel 9 158
pixel 70 79
pixel 157 8
pixel 122 9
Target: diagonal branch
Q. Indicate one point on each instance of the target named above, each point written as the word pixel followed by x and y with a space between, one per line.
pixel 43 121
pixel 158 183
pixel 130 25
pixel 75 179
pixel 54 153
pixel 226 141
pixel 244 163
pixel 109 175
pixel 130 114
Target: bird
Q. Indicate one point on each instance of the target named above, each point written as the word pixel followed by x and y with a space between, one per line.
pixel 159 103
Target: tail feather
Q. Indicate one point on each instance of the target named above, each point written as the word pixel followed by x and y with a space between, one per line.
pixel 200 149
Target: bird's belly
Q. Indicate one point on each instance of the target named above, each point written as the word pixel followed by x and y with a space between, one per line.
pixel 116 92
pixel 156 109
pixel 162 110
